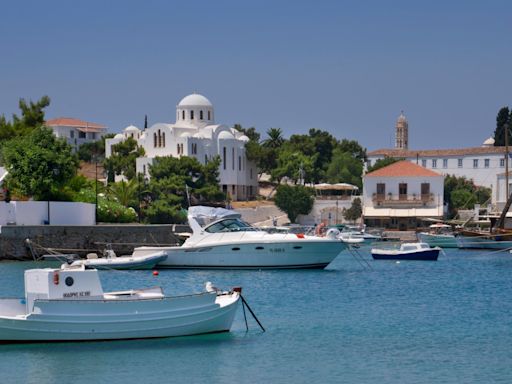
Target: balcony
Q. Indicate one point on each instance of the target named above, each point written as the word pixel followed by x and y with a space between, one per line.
pixel 402 200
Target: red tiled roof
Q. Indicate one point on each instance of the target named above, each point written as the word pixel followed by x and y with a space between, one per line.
pixel 436 152
pixel 70 122
pixel 402 168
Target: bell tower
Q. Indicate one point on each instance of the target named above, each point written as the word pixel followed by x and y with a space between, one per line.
pixel 402 132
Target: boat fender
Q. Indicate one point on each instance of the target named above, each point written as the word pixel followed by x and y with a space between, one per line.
pixel 300 235
pixel 56 278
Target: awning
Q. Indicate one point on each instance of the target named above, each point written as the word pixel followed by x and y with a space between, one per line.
pixel 335 187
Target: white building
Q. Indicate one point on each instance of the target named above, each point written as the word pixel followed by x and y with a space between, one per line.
pixel 195 134
pixel 481 164
pixel 75 131
pixel 400 195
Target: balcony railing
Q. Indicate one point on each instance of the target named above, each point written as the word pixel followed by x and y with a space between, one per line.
pixel 403 200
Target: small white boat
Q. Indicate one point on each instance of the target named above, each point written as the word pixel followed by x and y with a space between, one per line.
pixel 69 304
pixel 111 261
pixel 407 251
pixel 439 235
pixel 221 239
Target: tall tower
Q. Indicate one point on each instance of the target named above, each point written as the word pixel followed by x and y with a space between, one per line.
pixel 402 132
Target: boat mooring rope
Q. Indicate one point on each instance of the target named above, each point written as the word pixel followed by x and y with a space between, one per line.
pixel 359 257
pixel 244 302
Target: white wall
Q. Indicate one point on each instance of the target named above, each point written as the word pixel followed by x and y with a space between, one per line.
pixel 370 209
pixel 481 175
pixel 36 213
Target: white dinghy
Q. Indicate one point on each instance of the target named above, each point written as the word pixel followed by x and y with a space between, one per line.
pixel 69 304
pixel 111 261
pixel 220 239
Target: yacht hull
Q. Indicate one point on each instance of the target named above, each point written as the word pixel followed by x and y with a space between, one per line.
pixel 251 255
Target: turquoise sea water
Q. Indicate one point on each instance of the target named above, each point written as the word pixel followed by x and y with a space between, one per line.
pixel 448 321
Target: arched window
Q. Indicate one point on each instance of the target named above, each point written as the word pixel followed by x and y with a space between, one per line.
pixel 224 157
pixel 233 158
pixel 163 139
pixel 201 115
pixel 181 147
pixel 159 139
pixel 239 163
pixel 191 115
pixel 178 146
pixel 154 140
pixel 209 118
pixel 182 115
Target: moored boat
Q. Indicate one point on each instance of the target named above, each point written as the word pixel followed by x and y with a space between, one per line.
pixel 111 261
pixel 221 240
pixel 69 304
pixel 407 251
pixel 439 235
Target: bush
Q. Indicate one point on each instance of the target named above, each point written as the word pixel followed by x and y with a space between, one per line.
pixel 294 200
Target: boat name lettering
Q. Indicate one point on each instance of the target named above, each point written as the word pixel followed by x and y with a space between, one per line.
pixel 276 249
pixel 76 294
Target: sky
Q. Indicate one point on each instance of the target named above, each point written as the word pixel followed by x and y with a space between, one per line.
pixel 347 67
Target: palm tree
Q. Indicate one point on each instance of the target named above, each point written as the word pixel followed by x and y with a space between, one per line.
pixel 125 192
pixel 275 138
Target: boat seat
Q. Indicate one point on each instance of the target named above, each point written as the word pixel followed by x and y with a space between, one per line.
pixel 92 256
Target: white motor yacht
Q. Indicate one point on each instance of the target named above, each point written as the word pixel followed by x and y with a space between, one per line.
pixel 220 239
pixel 69 304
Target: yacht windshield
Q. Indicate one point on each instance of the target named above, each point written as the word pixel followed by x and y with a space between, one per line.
pixel 229 225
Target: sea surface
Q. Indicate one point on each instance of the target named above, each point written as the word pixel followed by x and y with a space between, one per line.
pixel 358 321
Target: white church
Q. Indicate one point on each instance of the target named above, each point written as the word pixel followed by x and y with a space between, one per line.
pixel 195 134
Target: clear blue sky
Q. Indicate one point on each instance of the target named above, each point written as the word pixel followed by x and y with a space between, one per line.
pixel 348 67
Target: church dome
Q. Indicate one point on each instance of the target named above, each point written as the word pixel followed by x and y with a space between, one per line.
pixel 119 136
pixel 489 142
pixel 244 138
pixel 195 100
pixel 131 128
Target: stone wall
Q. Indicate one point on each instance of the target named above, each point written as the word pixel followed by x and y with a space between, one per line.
pixel 83 239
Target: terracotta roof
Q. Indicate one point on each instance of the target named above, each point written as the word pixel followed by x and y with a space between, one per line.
pixel 436 152
pixel 403 168
pixel 70 122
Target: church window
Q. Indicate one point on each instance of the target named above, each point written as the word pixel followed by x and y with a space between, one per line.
pixel 434 163
pixel 201 115
pixel 178 148
pixel 191 115
pixel 154 140
pixel 502 163
pixel 159 139
pixel 224 157
pixel 209 118
pixel 239 163
pixel 459 163
pixel 182 115
pixel 445 163
pixel 486 163
pixel 181 149
pixel 233 158
pixel 475 163
pixel 163 139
